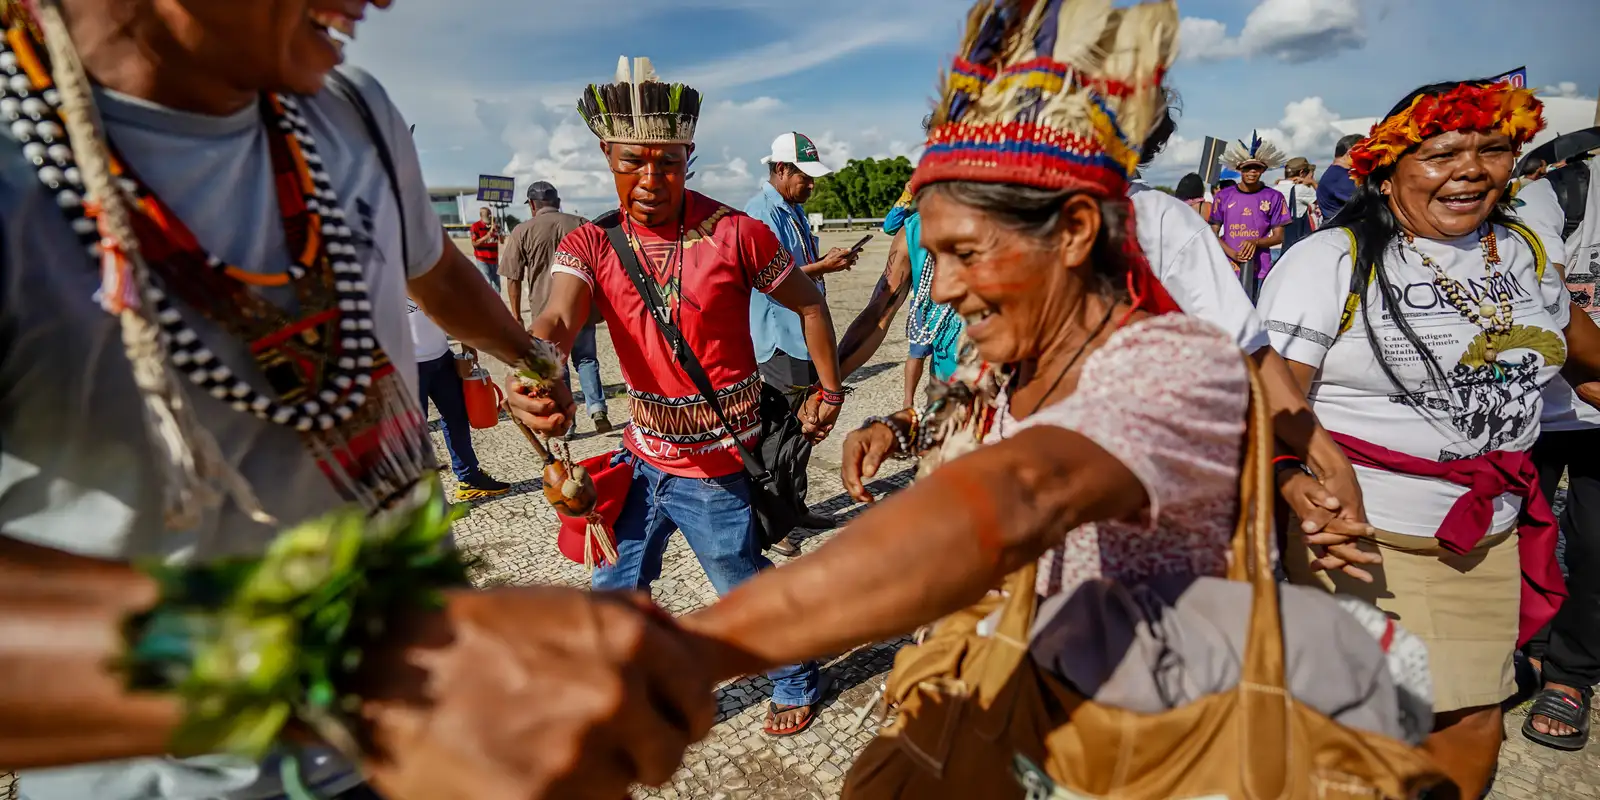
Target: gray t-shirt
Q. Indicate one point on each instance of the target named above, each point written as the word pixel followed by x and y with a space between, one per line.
pixel 74 455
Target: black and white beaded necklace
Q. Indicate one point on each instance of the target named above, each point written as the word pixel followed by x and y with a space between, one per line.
pixel 33 112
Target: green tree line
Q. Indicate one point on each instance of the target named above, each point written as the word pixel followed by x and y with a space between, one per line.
pixel 865 188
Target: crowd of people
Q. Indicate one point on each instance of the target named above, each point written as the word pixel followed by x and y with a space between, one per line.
pixel 187 409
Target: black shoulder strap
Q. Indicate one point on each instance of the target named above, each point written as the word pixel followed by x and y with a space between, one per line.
pixel 1571 185
pixel 341 85
pixel 611 223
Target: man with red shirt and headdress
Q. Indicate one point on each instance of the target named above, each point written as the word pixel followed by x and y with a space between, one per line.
pixel 704 259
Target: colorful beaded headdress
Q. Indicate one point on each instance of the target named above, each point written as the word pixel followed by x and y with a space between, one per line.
pixel 1057 94
pixel 1258 151
pixel 639 108
pixel 1468 107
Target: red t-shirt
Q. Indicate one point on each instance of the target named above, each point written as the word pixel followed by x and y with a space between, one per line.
pixel 488 252
pixel 725 255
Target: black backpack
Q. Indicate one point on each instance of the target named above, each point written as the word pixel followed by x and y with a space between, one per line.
pixel 1299 227
pixel 1571 184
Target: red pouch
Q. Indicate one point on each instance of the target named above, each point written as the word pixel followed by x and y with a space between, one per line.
pixel 590 540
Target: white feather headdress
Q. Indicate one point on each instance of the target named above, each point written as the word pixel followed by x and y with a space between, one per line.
pixel 1258 151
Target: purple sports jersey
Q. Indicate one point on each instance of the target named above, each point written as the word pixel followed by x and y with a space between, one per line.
pixel 1250 215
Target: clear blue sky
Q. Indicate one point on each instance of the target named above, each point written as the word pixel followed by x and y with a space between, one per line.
pixel 491 84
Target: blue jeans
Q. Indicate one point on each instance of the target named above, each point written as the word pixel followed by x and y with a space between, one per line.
pixel 491 273
pixel 719 524
pixel 440 383
pixel 586 358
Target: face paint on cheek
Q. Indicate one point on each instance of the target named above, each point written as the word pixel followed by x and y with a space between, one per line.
pixel 1010 271
pixel 999 286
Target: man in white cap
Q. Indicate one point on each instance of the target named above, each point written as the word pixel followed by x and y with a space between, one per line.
pixel 792 170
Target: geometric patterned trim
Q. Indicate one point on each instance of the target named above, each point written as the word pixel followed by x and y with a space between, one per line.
pixel 690 420
pixel 775 270
pixel 1299 332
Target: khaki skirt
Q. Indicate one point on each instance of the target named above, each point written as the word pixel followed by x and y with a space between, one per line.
pixel 1465 607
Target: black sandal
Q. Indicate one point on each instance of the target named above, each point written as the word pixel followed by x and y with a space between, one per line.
pixel 1565 709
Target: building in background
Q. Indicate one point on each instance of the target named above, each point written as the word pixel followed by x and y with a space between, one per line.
pixel 452 203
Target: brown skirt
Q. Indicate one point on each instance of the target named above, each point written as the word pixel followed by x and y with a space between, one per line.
pixel 1465 607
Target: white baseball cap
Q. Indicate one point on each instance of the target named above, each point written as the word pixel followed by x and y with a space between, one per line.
pixel 799 150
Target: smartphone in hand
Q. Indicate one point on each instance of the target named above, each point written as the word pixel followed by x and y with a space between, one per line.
pixel 858 245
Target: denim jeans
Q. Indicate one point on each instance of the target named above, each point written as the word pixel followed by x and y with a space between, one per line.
pixel 441 384
pixel 586 359
pixel 490 273
pixel 719 524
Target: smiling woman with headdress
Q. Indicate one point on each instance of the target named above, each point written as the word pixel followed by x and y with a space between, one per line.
pixel 1423 328
pixel 1092 432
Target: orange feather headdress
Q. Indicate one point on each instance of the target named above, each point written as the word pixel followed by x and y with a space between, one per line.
pixel 1469 107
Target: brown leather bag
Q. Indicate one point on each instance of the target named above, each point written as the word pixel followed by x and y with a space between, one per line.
pixel 976 718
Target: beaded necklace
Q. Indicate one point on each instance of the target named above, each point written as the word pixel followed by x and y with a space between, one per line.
pixel 321 365
pixel 919 331
pixel 1493 313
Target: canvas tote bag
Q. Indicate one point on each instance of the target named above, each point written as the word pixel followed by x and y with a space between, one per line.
pixel 976 718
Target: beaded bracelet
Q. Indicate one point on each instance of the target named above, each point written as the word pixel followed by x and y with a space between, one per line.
pixel 251 644
pixel 901 437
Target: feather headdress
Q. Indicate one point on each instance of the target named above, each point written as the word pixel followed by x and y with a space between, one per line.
pixel 1058 94
pixel 638 108
pixel 1258 151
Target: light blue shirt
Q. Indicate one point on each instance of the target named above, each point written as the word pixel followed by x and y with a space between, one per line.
pixel 773 327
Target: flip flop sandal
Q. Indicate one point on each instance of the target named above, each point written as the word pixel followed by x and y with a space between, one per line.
pixel 1562 708
pixel 778 708
pixel 785 548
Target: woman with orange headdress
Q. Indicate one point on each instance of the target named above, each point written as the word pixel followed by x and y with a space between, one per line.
pixel 1423 328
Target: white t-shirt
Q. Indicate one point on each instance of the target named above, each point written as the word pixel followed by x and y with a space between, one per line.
pixel 1300 197
pixel 1580 257
pixel 426 335
pixel 1301 302
pixel 1188 260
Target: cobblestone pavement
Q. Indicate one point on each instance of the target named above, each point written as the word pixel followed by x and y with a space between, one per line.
pixel 515 536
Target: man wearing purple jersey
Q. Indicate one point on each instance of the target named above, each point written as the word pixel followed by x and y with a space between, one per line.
pixel 1250 217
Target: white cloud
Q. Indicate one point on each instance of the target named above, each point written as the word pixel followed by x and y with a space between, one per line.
pixel 779 59
pixel 1566 89
pixel 474 116
pixel 1289 30
pixel 1305 129
pixel 1202 39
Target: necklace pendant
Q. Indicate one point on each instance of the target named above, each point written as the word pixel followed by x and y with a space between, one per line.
pixel 1491 355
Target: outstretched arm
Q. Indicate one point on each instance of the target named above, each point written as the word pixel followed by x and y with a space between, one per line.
pixel 866 334
pixel 60 629
pixel 927 552
pixel 468 309
pixel 798 294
